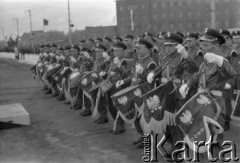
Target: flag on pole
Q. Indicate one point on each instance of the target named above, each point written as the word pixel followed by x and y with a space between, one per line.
pixel 132 20
pixel 45 22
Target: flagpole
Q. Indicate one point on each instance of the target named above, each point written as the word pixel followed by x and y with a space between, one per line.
pixel 69 25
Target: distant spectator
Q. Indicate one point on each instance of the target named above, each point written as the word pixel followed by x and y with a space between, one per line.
pixel 16 52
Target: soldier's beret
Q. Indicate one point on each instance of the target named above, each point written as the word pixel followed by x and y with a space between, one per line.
pixel 118 38
pixel 191 35
pixel 236 34
pixel 172 38
pixel 99 39
pixel 75 47
pixel 100 46
pixel 144 42
pixel 212 35
pixel 128 36
pixel 119 45
pixel 108 39
pixel 224 32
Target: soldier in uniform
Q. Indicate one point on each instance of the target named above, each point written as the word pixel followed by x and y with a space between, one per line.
pixel 128 41
pixel 212 72
pixel 117 39
pixel 143 66
pixel 116 72
pixel 230 55
pixel 101 63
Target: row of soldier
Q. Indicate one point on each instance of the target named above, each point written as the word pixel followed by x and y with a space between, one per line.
pixel 101 76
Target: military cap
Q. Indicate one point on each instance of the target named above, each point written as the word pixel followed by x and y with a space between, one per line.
pixel 236 34
pixel 108 39
pixel 191 35
pixel 128 36
pixel 67 48
pixel 172 38
pixel 82 41
pixel 99 39
pixel 75 47
pixel 118 38
pixel 61 48
pixel 147 34
pixel 53 45
pixel 144 42
pixel 86 50
pixel 119 45
pixel 180 34
pixel 101 46
pixel 41 46
pixel 212 35
pixel 224 32
pixel 47 46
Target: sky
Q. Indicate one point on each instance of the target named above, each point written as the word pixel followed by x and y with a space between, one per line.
pixel 83 13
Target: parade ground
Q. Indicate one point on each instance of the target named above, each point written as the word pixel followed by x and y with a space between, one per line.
pixel 57 133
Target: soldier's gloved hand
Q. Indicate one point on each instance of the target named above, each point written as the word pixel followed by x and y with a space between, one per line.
pixel 139 69
pixel 150 77
pixel 184 90
pixel 119 83
pixel 94 75
pixel 102 73
pixel 214 58
pixel 227 86
pixel 181 50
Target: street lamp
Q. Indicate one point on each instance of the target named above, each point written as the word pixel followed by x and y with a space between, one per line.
pixel 17 26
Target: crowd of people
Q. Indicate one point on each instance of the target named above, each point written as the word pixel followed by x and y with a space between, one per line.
pixel 123 75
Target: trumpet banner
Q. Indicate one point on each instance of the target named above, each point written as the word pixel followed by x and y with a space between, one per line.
pixel 155 115
pixel 199 118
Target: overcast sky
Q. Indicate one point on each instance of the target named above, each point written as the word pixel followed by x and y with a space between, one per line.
pixel 83 13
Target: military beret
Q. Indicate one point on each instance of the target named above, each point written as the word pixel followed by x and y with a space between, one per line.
pixel 75 47
pixel 145 43
pixel 236 34
pixel 128 36
pixel 119 45
pixel 61 48
pixel 180 34
pixel 191 35
pixel 224 32
pixel 108 39
pixel 100 46
pixel 99 39
pixel 212 35
pixel 118 38
pixel 172 38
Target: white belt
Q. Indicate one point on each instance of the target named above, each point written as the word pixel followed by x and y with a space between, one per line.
pixel 216 93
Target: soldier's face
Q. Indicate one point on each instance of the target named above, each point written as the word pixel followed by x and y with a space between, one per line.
pixel 207 46
pixel 127 42
pixel 170 48
pixel 118 52
pixel 74 52
pixel 191 42
pixel 99 53
pixel 141 51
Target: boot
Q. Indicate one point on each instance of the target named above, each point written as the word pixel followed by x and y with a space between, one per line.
pixel 118 131
pixel 102 120
pixel 49 91
pixel 86 112
pixel 61 97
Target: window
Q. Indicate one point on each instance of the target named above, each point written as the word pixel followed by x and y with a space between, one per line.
pixel 180 3
pixel 189 26
pixel 155 16
pixel 163 5
pixel 163 16
pixel 180 15
pixel 154 5
pixel 121 8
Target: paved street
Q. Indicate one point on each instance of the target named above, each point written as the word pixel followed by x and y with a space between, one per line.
pixel 58 134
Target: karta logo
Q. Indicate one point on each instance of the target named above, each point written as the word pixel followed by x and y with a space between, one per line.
pixel 182 152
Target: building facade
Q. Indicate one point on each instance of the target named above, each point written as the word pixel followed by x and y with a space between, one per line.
pixel 138 16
